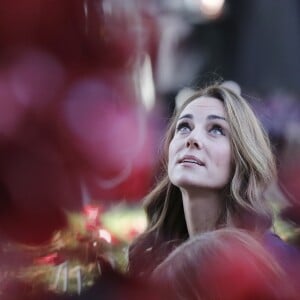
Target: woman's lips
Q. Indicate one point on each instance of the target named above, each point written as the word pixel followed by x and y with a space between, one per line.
pixel 191 159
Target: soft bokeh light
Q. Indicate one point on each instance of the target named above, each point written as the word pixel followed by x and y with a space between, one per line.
pixel 104 234
pixel 146 83
pixel 211 8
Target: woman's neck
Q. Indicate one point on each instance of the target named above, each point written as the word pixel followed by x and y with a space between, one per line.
pixel 201 210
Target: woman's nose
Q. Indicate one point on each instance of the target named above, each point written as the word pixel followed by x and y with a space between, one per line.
pixel 193 143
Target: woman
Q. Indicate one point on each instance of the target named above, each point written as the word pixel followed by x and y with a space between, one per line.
pixel 218 163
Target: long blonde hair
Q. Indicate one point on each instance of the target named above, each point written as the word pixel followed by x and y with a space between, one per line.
pixel 254 169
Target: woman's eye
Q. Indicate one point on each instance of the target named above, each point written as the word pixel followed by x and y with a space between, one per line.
pixel 217 130
pixel 183 127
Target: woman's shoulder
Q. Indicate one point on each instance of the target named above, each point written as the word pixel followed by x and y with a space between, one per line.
pixel 274 243
pixel 287 255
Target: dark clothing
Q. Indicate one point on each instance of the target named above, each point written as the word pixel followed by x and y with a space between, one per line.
pixel 145 255
pixel 288 256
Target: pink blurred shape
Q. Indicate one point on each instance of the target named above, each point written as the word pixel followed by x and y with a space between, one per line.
pixel 112 135
pixel 35 78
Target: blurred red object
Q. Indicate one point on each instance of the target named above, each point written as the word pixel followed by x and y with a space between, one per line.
pixel 69 111
pixel 92 215
pixel 133 233
pixel 111 136
pixel 50 259
pixel 101 33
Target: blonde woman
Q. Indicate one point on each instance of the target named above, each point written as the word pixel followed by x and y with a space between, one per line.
pixel 217 164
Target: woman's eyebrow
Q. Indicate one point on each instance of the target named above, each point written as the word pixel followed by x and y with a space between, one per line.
pixel 213 117
pixel 209 117
pixel 187 116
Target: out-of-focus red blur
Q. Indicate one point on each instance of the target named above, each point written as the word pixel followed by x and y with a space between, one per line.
pixel 71 118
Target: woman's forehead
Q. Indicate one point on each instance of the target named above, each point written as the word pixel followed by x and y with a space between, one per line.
pixel 204 104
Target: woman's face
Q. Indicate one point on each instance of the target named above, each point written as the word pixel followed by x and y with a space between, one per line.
pixel 200 155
